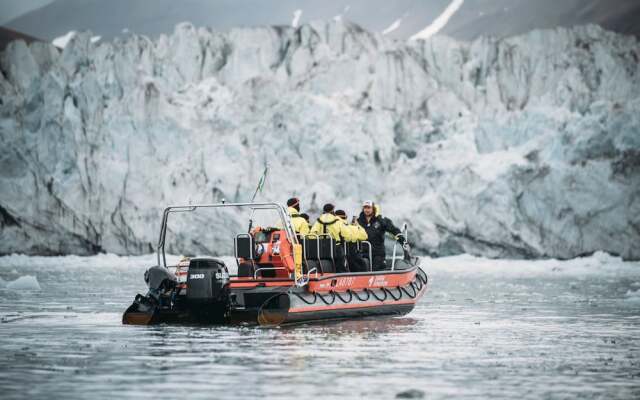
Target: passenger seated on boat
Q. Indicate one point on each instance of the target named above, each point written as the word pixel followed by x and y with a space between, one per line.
pixel 300 224
pixel 329 224
pixel 306 218
pixel 318 254
pixel 355 234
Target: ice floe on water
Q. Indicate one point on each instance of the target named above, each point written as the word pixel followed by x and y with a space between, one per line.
pixel 11 265
pixel 27 282
pixel 599 263
pixel 633 296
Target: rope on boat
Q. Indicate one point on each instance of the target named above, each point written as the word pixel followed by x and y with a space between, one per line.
pixel 373 292
pixel 358 296
pixel 343 300
pixel 315 298
pixel 415 292
pixel 333 299
pixel 391 293
pixel 417 285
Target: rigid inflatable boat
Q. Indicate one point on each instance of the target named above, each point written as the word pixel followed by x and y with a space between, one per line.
pixel 281 278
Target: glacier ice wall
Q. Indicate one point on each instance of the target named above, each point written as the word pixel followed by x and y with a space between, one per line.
pixel 522 147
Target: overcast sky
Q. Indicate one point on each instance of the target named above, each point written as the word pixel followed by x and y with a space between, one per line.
pixel 10 9
pixel 401 19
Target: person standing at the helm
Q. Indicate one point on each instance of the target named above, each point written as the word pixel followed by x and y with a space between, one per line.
pixel 300 225
pixel 376 226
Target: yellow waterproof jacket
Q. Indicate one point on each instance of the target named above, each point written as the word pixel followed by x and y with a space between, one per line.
pixel 356 233
pixel 300 225
pixel 334 226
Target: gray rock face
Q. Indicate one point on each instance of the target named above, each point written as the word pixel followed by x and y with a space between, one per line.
pixel 527 146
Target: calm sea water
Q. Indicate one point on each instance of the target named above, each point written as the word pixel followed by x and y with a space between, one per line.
pixel 484 330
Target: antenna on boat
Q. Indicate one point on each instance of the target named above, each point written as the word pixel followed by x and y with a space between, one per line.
pixel 261 182
pixel 259 188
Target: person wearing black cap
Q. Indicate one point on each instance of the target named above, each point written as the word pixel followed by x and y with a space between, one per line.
pixel 376 226
pixel 300 224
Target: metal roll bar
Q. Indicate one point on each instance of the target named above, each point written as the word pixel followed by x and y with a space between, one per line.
pixel 284 217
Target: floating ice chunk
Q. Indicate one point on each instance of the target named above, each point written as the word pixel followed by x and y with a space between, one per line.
pixel 439 22
pixel 95 39
pixel 61 41
pixel 296 18
pixel 633 296
pixel 26 282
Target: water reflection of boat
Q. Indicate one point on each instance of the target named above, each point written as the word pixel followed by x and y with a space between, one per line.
pixel 281 279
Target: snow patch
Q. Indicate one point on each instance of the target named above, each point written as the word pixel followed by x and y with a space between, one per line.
pixel 26 282
pixel 296 18
pixel 394 25
pixel 62 41
pixel 439 22
pixel 95 39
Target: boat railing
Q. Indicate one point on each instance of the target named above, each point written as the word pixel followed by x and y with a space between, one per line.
pixel 368 243
pixel 314 271
pixel 395 247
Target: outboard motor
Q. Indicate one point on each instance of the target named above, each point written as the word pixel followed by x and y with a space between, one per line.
pixel 145 309
pixel 161 282
pixel 208 289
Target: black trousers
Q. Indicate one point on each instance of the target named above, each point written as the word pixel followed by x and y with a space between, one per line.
pixel 356 263
pixel 378 263
pixel 338 258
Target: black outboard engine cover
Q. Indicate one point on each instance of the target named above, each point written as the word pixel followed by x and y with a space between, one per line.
pixel 207 281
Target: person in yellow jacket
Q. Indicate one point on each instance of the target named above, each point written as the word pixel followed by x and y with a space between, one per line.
pixel 356 233
pixel 300 224
pixel 329 224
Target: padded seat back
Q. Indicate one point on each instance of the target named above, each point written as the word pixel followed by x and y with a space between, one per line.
pixel 310 248
pixel 244 247
pixel 327 249
pixel 327 266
